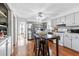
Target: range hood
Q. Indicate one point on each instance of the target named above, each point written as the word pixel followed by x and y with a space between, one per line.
pixel 61 25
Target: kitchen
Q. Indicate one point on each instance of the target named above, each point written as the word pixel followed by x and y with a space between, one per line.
pixel 70 35
pixel 20 25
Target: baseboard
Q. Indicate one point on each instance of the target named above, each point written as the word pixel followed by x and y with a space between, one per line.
pixel 71 49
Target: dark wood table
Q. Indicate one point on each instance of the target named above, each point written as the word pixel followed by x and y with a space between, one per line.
pixel 57 38
pixel 54 37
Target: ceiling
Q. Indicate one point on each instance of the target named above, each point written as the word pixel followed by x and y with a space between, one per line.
pixel 30 10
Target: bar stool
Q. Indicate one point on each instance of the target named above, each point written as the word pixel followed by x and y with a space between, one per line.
pixel 43 48
pixel 36 45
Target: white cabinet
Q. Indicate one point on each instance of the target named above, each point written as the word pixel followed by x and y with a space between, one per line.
pixel 61 41
pixel 3 49
pixel 77 18
pixel 63 21
pixel 70 20
pixel 75 42
pixel 9 47
pixel 72 41
pixel 67 40
pixel 58 20
pixel 53 22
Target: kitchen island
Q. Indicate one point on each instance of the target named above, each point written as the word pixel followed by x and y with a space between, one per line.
pixel 44 40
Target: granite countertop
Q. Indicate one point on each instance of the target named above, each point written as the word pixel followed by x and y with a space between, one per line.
pixel 47 36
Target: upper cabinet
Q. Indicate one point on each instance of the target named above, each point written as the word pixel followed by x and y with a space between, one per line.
pixel 77 18
pixel 58 20
pixel 53 22
pixel 3 19
pixel 3 11
pixel 70 20
pixel 63 21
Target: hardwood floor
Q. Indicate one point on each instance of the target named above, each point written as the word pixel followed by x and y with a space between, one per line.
pixel 27 50
pixel 63 51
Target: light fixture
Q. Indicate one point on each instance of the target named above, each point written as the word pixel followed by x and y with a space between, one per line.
pixel 41 17
pixel 40 14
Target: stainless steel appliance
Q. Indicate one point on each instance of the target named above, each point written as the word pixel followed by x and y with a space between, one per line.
pixel 73 30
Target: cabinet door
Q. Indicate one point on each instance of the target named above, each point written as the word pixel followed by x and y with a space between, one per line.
pixel 9 47
pixel 58 21
pixel 53 22
pixel 67 41
pixel 61 39
pixel 75 44
pixel 70 20
pixel 77 18
pixel 63 21
pixel 3 49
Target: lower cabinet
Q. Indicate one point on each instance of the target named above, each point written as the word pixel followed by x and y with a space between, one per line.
pixel 3 49
pixel 67 41
pixel 61 41
pixel 75 44
pixel 72 41
pixel 9 47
